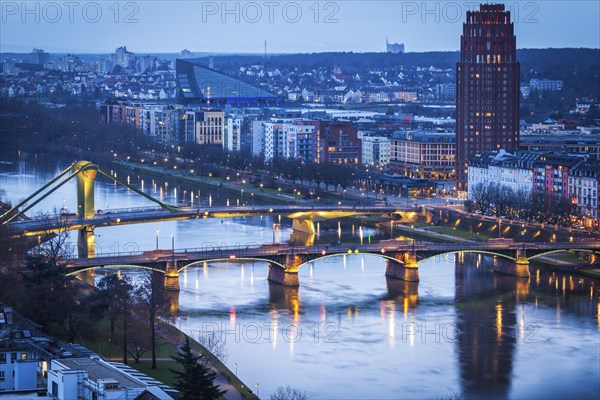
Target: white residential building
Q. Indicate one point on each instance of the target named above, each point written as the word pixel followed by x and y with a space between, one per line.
pixel 258 137
pixel 19 369
pixel 584 190
pixel 514 170
pixel 300 141
pixel 233 134
pixel 275 140
pixel 375 150
pixel 161 123
pixel 95 378
pixel 543 85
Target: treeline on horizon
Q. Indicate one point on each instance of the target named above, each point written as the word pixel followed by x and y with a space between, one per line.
pixel 542 60
pixel 548 62
pixel 578 67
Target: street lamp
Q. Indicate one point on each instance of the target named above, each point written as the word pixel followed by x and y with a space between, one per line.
pixel 235 365
pixel 157 239
pixel 257 390
pixel 500 229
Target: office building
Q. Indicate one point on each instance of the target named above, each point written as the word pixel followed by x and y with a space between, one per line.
pixel 40 57
pixel 423 154
pixel 487 86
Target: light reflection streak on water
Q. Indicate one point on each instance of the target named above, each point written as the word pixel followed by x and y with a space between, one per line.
pixel 391 323
pixel 275 327
pixel 232 317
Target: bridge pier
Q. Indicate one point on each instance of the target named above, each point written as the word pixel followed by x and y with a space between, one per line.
pixel 172 276
pixel 303 225
pixel 289 275
pixel 285 277
pixel 518 268
pixel 86 243
pixel 406 268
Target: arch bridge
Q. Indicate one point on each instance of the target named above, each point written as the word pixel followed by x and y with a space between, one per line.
pixel 284 261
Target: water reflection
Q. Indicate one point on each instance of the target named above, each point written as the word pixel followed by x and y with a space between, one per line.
pixel 500 317
pixel 285 298
pixel 485 328
pixel 401 291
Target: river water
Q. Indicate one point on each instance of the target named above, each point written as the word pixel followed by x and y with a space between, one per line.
pixel 348 332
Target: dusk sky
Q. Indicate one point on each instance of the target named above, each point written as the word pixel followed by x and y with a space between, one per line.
pixel 205 26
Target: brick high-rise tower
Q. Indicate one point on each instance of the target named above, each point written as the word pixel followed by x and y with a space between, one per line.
pixel 487 87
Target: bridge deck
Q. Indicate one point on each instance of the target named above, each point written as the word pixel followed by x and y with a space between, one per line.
pixel 270 250
pixel 156 214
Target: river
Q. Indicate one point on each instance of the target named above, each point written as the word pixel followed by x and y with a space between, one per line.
pixel 348 332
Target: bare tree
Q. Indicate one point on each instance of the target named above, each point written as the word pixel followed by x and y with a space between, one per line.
pixel 481 197
pixel 53 243
pixel 138 343
pixel 215 344
pixel 152 302
pixel 119 303
pixel 288 393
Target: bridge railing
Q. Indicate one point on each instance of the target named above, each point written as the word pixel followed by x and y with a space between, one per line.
pixel 129 209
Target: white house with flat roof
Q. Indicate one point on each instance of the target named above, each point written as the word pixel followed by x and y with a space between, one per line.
pixel 96 379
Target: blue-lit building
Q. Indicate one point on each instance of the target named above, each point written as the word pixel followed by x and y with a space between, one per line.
pixel 197 84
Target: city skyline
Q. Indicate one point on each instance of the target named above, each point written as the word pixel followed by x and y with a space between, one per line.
pixel 287 27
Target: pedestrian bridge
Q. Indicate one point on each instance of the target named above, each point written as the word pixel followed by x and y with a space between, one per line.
pixel 284 260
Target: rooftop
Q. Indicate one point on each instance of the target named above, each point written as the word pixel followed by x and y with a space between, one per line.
pixel 426 136
pixel 99 370
pixel 197 83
